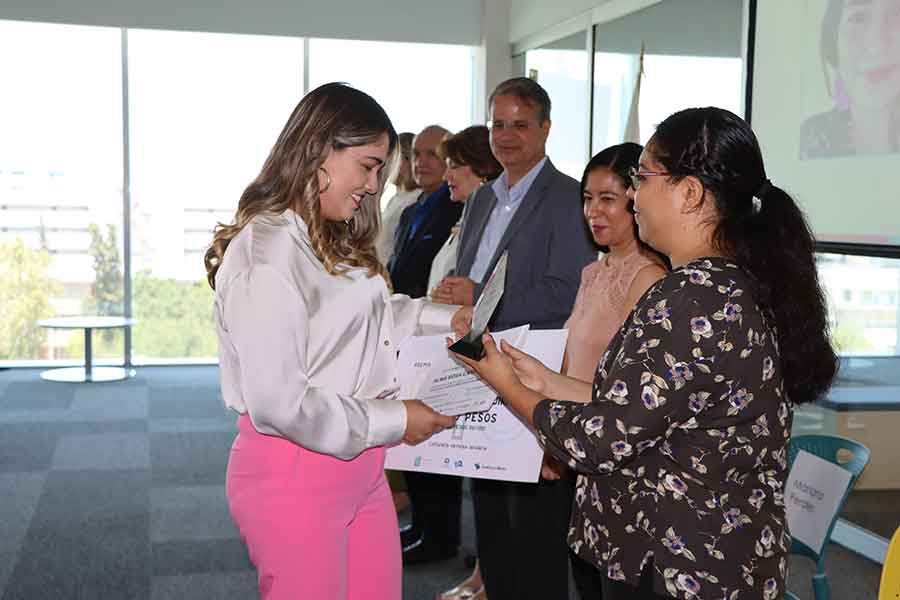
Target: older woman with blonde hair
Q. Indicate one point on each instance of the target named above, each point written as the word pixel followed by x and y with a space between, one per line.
pixel 308 332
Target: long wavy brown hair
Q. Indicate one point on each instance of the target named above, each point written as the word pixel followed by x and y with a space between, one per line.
pixel 331 117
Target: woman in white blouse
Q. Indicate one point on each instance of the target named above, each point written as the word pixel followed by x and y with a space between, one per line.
pixel 308 335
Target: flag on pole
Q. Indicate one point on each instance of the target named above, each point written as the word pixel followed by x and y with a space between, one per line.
pixel 633 126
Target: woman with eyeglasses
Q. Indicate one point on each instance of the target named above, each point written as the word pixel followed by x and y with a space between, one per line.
pixel 609 289
pixel 681 442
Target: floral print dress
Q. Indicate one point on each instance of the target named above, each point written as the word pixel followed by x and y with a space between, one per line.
pixel 682 453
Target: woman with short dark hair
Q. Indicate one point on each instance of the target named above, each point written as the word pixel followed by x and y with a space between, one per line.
pixel 470 163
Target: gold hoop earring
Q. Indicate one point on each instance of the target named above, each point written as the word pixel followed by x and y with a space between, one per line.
pixel 328 180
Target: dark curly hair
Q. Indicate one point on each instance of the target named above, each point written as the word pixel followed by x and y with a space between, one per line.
pixel 770 239
pixel 620 159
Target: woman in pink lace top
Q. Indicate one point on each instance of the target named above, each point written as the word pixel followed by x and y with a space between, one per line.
pixel 611 286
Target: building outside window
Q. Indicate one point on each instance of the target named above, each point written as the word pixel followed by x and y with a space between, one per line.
pixel 60 187
pixel 204 110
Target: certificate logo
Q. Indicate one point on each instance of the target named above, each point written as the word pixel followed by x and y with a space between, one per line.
pixel 458 464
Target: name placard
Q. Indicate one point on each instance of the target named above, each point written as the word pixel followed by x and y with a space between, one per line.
pixel 812 494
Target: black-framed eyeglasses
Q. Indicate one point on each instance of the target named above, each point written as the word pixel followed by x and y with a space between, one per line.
pixel 637 176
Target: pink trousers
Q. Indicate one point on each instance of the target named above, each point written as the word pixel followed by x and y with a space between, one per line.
pixel 316 527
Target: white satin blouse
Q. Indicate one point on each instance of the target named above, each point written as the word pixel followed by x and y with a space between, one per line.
pixel 312 357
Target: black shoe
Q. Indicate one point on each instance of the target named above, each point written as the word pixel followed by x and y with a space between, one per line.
pixel 409 535
pixel 422 551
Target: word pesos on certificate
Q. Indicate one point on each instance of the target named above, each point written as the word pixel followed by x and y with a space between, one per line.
pixel 485 416
pixel 480 417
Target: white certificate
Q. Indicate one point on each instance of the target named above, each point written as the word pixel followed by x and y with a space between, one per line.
pixel 416 357
pixel 451 389
pixel 492 444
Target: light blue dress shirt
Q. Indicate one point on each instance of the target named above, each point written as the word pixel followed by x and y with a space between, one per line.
pixel 508 201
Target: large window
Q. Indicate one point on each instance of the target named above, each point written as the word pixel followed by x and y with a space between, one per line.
pixel 60 187
pixel 697 63
pixel 864 303
pixel 669 84
pixel 862 294
pixel 205 109
pixel 417 84
pixel 562 69
pixel 673 83
pixel 203 113
pixel 615 77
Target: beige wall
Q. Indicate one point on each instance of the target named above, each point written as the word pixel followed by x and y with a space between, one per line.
pixel 877 430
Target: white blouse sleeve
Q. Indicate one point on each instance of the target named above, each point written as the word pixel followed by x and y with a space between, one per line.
pixel 268 325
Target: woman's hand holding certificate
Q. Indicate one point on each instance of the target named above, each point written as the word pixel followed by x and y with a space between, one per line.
pixel 422 422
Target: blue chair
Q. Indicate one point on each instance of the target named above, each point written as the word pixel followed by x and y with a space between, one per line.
pixel 847 454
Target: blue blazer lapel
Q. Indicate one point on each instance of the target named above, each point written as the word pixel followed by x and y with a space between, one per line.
pixel 401 234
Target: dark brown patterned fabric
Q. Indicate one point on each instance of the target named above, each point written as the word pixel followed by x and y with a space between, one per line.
pixel 682 453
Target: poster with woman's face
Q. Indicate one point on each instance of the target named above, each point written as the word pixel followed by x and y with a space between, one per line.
pixel 855 106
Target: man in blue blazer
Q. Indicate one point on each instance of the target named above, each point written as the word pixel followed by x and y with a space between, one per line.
pixel 535 213
pixel 423 228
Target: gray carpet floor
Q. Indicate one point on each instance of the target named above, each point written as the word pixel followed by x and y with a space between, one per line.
pixel 116 491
